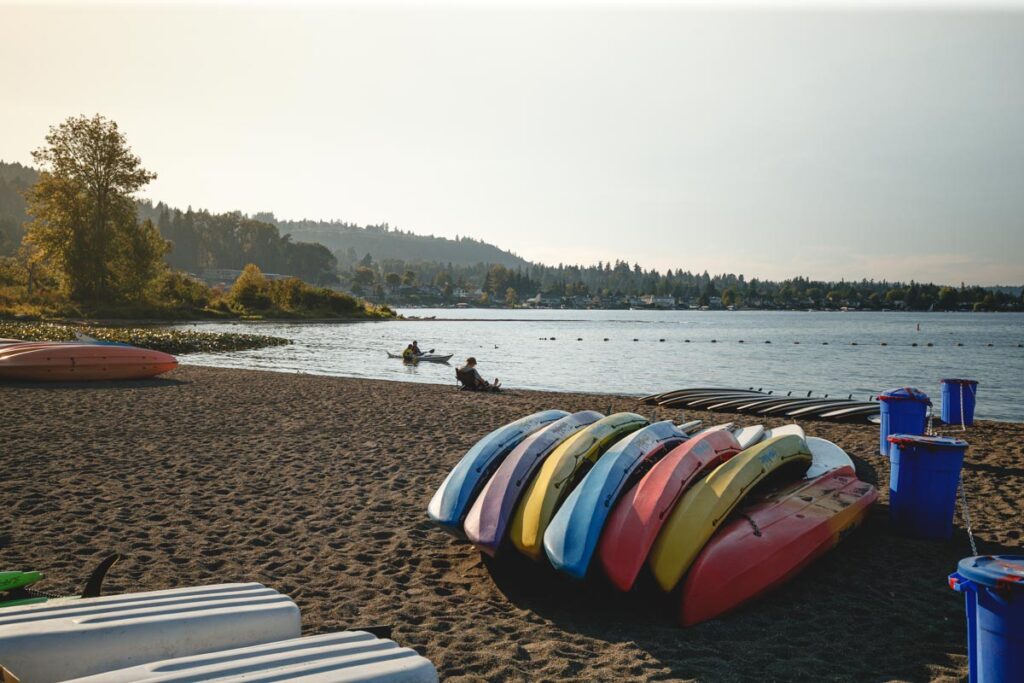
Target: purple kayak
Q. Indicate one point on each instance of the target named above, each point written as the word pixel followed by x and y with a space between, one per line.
pixel 489 516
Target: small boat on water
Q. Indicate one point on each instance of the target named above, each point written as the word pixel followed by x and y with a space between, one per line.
pixel 425 358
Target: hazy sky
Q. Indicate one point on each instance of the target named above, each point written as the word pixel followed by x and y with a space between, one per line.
pixel 884 143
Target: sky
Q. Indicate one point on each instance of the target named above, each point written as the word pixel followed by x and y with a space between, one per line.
pixel 812 139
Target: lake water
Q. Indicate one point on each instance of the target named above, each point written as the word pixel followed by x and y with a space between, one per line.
pixel 642 352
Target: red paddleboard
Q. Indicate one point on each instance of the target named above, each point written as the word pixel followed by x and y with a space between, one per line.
pixel 768 543
pixel 70 362
pixel 636 520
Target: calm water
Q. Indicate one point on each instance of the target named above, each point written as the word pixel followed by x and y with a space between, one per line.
pixel 567 350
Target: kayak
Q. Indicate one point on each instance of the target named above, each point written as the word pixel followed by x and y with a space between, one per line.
pixel 425 358
pixel 457 492
pixel 771 541
pixel 489 516
pixel 708 502
pixel 826 457
pixel 571 539
pixel 559 474
pixel 638 517
pixel 48 361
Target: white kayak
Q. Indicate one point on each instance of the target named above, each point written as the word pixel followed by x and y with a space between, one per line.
pixel 425 358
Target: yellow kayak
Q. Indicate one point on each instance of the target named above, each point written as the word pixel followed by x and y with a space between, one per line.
pixel 559 474
pixel 708 502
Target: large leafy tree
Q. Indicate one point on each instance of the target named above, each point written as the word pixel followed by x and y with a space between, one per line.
pixel 84 215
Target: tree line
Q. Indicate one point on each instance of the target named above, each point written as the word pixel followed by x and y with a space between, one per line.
pixel 88 248
pixel 613 283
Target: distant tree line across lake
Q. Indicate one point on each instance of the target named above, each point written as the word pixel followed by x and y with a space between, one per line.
pixel 126 250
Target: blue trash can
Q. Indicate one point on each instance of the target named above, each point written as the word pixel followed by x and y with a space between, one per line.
pixel 993 588
pixel 958 401
pixel 924 473
pixel 904 411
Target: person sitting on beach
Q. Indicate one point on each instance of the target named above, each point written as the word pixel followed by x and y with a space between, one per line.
pixel 471 379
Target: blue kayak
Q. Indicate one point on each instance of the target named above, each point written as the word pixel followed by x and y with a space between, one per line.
pixel 571 538
pixel 452 500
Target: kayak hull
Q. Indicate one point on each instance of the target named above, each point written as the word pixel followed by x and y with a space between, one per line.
pixel 705 506
pixel 559 474
pixel 778 537
pixel 572 537
pixel 488 518
pixel 452 500
pixel 636 520
pixel 81 362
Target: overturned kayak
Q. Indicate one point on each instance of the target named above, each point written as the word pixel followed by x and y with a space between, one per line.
pixel 489 516
pixel 771 541
pixel 457 492
pixel 638 517
pixel 708 502
pixel 571 538
pixel 59 362
pixel 559 474
pixel 425 358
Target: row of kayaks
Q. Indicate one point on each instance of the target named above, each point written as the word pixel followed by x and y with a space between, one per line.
pixel 85 359
pixel 719 515
pixel 757 402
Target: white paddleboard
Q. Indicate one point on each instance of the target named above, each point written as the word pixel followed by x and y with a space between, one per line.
pixel 825 457
pixel 717 428
pixel 690 427
pixel 784 430
pixel 748 436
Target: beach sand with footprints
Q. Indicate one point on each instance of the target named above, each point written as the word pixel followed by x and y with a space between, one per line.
pixel 318 486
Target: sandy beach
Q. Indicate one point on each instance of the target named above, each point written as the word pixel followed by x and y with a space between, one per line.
pixel 318 486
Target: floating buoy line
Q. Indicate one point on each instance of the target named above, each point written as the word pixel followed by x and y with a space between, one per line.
pixel 769 341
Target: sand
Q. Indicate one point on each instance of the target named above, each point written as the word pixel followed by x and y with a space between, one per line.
pixel 318 486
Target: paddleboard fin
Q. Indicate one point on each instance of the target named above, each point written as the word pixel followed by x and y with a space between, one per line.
pixel 95 583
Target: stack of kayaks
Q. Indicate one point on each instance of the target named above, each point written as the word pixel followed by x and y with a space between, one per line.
pixel 757 402
pixel 80 360
pixel 716 516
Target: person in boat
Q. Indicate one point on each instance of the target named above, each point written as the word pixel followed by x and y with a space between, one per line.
pixel 409 355
pixel 471 379
pixel 415 346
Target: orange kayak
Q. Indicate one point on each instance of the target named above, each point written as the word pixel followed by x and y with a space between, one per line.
pixel 61 362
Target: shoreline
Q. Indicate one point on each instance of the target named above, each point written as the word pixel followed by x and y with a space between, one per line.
pixel 317 486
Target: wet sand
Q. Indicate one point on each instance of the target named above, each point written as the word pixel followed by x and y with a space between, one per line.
pixel 318 486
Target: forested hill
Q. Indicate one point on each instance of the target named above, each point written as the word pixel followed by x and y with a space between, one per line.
pixel 14 180
pixel 351 242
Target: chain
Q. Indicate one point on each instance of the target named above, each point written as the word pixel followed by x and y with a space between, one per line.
pixel 966 514
pixel 757 530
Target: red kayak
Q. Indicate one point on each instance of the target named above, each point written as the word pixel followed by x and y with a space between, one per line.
pixel 71 362
pixel 636 520
pixel 771 541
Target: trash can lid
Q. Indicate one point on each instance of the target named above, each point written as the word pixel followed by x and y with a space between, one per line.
pixel 1002 572
pixel 958 381
pixel 928 441
pixel 905 394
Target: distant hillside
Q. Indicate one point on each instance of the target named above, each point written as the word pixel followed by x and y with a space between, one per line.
pixel 351 242
pixel 14 180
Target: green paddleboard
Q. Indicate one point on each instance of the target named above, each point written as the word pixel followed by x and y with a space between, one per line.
pixel 10 581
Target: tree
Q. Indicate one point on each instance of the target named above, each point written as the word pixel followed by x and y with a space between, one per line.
pixel 409 278
pixel 393 280
pixel 364 276
pixel 948 299
pixel 82 208
pixel 511 298
pixel 251 289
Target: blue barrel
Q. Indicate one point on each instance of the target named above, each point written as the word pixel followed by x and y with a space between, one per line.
pixel 904 411
pixel 958 401
pixel 993 588
pixel 924 473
